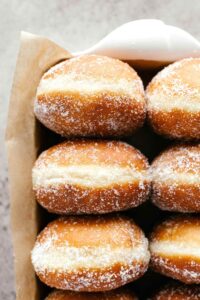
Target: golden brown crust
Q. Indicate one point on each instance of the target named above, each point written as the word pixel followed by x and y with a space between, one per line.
pixel 173 100
pixel 176 179
pixel 183 158
pixel 184 198
pixel 185 269
pixel 178 292
pixel 93 66
pixel 174 249
pixel 179 229
pixel 82 231
pixel 97 280
pixel 81 236
pixel 82 151
pixel 107 98
pixel 119 294
pixel 176 124
pixel 68 198
pixel 95 116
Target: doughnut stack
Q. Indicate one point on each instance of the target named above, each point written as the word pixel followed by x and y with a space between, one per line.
pixel 89 180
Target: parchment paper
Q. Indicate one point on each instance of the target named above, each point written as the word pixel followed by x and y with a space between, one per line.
pixel 35 56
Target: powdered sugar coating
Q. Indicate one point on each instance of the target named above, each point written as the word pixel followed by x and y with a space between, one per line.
pixel 91 177
pixel 82 270
pixel 91 95
pixel 186 274
pixel 173 100
pixel 178 292
pixel 174 248
pixel 175 177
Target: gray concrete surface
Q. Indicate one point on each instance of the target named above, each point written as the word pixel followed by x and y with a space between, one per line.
pixel 75 25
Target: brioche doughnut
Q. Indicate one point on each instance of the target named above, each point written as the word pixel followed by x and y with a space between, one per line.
pixel 175 249
pixel 173 100
pixel 90 253
pixel 178 292
pixel 87 176
pixel 176 179
pixel 91 95
pixel 111 295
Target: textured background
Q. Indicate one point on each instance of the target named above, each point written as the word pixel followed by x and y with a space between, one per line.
pixel 74 25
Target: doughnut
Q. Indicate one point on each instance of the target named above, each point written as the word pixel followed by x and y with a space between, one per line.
pixel 178 292
pixel 111 295
pixel 174 247
pixel 173 100
pixel 91 96
pixel 90 253
pixel 176 179
pixel 85 176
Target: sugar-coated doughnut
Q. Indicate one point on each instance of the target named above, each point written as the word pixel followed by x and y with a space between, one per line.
pixel 90 253
pixel 111 295
pixel 176 179
pixel 173 100
pixel 87 176
pixel 178 292
pixel 91 95
pixel 175 249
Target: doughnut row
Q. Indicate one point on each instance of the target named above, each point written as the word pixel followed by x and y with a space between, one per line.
pixel 98 96
pixel 95 177
pixel 101 253
pixel 94 96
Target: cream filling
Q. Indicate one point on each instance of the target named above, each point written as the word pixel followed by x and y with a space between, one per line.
pixel 86 175
pixel 162 103
pixel 170 248
pixel 163 176
pixel 66 83
pixel 70 258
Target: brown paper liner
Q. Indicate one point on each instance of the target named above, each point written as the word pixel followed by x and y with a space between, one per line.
pixel 35 56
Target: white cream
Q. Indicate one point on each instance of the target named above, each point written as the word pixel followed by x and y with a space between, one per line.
pixel 69 258
pixel 171 177
pixel 171 248
pixel 149 40
pixel 86 175
pixel 66 83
